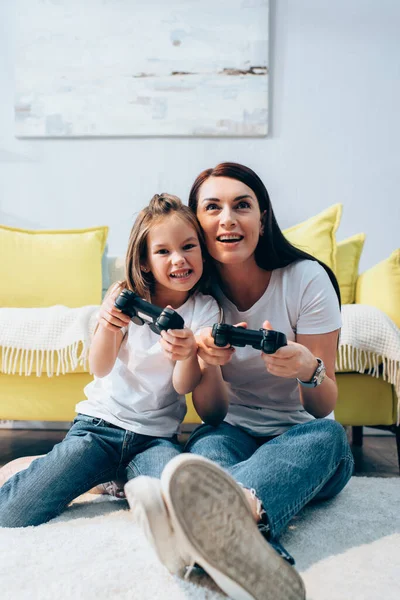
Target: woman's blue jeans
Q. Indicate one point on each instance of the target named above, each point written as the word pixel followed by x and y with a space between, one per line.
pixel 92 452
pixel 312 461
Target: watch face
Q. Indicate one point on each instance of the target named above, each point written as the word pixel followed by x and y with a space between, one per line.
pixel 320 374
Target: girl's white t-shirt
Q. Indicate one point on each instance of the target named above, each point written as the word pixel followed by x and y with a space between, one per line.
pixel 299 299
pixel 138 394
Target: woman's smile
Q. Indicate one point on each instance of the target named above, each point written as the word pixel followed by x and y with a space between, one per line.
pixel 230 238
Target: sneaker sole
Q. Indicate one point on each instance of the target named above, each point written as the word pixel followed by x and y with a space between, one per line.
pixel 214 525
pixel 149 512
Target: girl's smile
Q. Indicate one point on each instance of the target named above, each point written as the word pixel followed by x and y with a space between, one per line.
pixel 174 258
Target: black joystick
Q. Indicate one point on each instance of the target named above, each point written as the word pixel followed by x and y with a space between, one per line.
pixel 262 339
pixel 161 318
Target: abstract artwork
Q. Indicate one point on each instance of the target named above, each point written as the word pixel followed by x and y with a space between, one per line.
pixel 141 68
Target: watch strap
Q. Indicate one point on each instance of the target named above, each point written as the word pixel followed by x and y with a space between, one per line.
pixel 314 381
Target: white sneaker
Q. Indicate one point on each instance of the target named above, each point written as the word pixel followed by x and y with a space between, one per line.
pixel 150 513
pixel 215 528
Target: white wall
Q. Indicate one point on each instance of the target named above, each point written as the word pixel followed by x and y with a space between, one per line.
pixel 334 136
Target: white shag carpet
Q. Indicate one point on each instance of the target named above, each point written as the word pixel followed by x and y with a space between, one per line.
pixel 347 548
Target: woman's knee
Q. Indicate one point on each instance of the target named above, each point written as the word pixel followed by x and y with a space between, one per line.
pixel 225 445
pixel 329 434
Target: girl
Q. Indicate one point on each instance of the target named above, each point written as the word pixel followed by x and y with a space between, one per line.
pixel 274 440
pixel 128 424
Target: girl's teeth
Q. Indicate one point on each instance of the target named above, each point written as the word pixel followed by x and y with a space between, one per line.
pixel 181 275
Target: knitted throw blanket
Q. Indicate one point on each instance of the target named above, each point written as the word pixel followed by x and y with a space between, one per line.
pixel 52 340
pixel 370 343
pixel 56 340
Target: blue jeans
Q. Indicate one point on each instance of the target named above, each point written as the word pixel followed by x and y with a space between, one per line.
pixel 92 452
pixel 312 461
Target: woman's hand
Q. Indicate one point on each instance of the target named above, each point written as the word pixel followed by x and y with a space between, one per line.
pixel 178 344
pixel 109 317
pixel 209 352
pixel 291 361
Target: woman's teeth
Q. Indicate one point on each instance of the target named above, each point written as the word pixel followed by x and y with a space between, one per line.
pixel 229 238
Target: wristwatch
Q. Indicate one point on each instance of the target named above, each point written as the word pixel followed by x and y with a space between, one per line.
pixel 317 378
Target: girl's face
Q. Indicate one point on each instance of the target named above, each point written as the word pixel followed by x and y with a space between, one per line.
pixel 230 217
pixel 174 255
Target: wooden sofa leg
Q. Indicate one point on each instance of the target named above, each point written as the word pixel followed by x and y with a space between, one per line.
pixel 357 435
pixel 396 430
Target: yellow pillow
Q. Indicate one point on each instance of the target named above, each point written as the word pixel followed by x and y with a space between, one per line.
pixel 347 258
pixel 380 286
pixel 317 235
pixel 43 268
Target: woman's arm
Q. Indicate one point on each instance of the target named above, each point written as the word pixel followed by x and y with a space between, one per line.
pixel 299 360
pixel 321 400
pixel 210 396
pixel 108 336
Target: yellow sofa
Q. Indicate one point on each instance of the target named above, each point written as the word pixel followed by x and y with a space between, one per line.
pixel 364 400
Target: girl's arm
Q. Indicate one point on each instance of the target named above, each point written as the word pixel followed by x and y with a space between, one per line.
pixel 191 374
pixel 180 346
pixel 108 336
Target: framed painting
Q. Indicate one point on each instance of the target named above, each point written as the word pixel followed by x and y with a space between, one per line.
pixel 135 68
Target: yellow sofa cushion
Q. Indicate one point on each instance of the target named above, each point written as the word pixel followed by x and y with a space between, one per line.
pixel 317 235
pixel 347 260
pixel 365 400
pixel 44 268
pixel 380 286
pixel 41 398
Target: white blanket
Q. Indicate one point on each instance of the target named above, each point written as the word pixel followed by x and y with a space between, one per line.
pixel 370 343
pixel 52 340
pixel 57 339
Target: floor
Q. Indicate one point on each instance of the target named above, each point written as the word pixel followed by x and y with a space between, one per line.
pixel 376 458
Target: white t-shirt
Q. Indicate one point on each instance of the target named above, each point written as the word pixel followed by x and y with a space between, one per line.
pixel 138 394
pixel 299 299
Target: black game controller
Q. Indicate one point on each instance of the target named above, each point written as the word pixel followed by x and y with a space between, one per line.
pixel 262 339
pixel 161 318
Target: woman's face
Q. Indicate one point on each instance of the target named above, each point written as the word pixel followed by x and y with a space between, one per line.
pixel 230 216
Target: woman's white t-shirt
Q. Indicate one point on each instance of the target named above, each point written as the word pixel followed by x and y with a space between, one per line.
pixel 138 394
pixel 299 299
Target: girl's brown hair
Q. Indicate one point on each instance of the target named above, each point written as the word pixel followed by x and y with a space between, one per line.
pixel 273 250
pixel 160 206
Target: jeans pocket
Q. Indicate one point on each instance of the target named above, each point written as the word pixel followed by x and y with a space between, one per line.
pixel 94 421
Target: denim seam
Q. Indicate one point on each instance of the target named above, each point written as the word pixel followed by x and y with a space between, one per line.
pixel 300 504
pixel 125 444
pixel 133 467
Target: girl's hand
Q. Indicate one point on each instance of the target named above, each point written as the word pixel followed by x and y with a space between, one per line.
pixel 291 361
pixel 178 344
pixel 109 317
pixel 209 352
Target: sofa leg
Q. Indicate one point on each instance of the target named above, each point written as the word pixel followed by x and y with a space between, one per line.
pixel 396 430
pixel 357 435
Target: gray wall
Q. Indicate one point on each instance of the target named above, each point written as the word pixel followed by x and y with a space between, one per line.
pixel 334 136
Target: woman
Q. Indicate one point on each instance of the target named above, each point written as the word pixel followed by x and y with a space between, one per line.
pixel 275 451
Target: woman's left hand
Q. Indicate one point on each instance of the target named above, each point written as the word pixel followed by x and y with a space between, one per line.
pixel 291 361
pixel 178 344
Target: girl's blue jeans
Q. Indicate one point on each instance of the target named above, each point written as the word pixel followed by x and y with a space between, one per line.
pixel 312 461
pixel 92 452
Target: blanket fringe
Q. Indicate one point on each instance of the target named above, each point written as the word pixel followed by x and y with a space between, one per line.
pixel 362 361
pixel 48 362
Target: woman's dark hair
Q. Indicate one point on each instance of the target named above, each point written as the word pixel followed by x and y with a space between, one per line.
pixel 273 250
